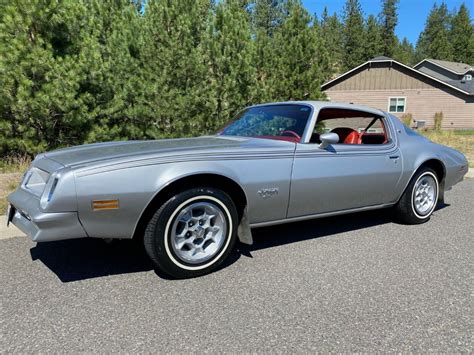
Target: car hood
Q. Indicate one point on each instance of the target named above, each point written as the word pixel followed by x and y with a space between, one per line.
pixel 128 150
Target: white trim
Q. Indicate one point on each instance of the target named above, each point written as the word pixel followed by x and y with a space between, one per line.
pixel 229 235
pixel 397 97
pixel 402 65
pixel 445 68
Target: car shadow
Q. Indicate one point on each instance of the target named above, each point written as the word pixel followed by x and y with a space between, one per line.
pixel 79 259
pixel 74 260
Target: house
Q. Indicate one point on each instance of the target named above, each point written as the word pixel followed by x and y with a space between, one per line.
pixel 429 87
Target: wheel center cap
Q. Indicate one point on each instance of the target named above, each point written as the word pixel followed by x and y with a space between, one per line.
pixel 200 231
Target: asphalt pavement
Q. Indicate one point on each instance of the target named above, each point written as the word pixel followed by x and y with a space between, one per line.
pixel 347 284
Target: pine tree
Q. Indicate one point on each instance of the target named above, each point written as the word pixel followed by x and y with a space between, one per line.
pixel 462 36
pixel 114 75
pixel 174 61
pixel 388 21
pixel 405 53
pixel 41 69
pixel 267 17
pixel 302 62
pixel 229 51
pixel 374 45
pixel 434 40
pixel 353 35
pixel 331 33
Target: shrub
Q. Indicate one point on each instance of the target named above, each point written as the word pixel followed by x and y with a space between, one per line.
pixel 438 120
pixel 407 119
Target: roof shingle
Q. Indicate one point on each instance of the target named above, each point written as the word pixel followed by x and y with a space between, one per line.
pixel 458 68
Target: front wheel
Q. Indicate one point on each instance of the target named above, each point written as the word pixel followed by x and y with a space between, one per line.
pixel 192 233
pixel 419 199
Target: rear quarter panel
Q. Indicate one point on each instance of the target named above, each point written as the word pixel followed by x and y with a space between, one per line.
pixel 417 150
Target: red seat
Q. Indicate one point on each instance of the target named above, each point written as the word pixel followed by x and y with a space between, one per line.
pixel 347 135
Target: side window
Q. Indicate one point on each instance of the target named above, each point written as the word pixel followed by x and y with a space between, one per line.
pixel 352 126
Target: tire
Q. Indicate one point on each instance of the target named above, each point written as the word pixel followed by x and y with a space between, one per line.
pixel 192 233
pixel 408 210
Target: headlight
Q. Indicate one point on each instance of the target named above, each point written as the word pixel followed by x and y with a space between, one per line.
pixel 35 181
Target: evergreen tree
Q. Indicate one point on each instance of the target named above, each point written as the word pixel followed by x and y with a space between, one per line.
pixel 434 40
pixel 405 53
pixel 331 33
pixel 267 18
pixel 229 53
pixel 302 63
pixel 41 69
pixel 174 61
pixel 462 36
pixel 353 35
pixel 114 75
pixel 75 71
pixel 388 21
pixel 374 45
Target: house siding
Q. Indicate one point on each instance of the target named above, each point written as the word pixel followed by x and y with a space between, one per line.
pixel 422 104
pixel 372 86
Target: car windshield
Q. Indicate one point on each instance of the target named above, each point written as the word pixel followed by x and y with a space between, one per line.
pixel 281 122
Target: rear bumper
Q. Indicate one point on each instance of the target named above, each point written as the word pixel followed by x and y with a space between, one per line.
pixel 41 226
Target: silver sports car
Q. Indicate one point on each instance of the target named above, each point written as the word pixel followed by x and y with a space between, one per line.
pixel 190 199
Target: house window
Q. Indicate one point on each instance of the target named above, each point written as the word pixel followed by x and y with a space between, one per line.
pixel 396 104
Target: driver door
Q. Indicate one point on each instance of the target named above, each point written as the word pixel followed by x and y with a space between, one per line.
pixel 345 176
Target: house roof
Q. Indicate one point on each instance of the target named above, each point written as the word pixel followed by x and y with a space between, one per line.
pixel 380 58
pixel 464 87
pixel 467 85
pixel 454 67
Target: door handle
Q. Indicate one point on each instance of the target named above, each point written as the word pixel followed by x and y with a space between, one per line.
pixel 394 156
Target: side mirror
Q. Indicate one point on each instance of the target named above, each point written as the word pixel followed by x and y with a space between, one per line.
pixel 327 139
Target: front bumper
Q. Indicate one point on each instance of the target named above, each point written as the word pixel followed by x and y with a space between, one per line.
pixel 40 226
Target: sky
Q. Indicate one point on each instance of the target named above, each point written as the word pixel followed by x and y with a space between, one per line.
pixel 412 14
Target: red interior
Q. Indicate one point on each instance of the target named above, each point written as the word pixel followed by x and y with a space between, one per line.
pixel 349 135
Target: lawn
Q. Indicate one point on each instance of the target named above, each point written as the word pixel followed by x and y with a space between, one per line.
pixel 11 169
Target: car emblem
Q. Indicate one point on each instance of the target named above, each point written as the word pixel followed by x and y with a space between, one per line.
pixel 268 192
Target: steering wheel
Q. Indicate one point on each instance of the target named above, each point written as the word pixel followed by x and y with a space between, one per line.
pixel 291 133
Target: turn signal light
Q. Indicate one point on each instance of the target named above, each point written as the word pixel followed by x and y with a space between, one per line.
pixel 99 205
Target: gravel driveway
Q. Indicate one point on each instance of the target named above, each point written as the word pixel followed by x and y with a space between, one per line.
pixel 351 283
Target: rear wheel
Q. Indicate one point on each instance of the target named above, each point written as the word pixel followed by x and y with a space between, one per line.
pixel 419 199
pixel 192 233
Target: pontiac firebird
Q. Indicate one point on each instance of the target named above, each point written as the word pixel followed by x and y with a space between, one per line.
pixel 190 199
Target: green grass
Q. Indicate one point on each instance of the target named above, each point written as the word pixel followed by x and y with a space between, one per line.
pixel 464 132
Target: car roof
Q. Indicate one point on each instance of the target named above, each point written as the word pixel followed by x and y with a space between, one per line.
pixel 318 105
